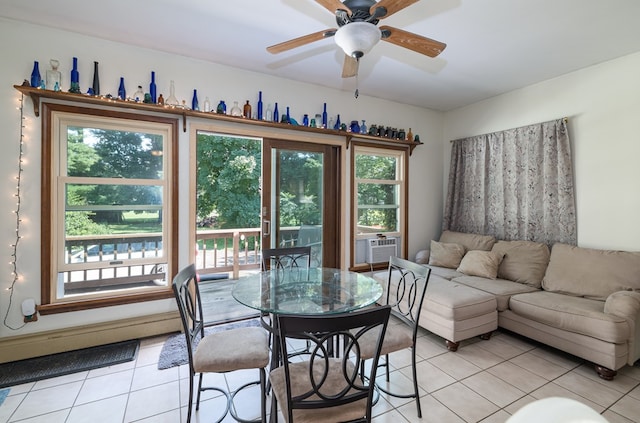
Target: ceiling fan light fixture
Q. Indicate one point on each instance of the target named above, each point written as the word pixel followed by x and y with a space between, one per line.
pixel 357 38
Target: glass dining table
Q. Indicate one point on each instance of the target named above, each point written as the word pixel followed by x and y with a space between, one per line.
pixel 308 291
pixel 305 291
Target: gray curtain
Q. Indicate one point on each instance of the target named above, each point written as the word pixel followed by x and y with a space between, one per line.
pixel 514 185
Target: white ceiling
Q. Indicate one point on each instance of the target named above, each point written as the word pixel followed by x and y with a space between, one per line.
pixel 493 46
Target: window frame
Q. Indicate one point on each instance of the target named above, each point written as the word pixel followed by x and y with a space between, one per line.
pixel 402 181
pixel 51 180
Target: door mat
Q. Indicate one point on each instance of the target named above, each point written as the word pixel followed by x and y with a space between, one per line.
pixel 48 366
pixel 174 350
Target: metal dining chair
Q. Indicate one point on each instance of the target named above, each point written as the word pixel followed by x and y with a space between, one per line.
pixel 286 258
pixel 220 352
pixel 404 293
pixel 327 386
pixel 281 260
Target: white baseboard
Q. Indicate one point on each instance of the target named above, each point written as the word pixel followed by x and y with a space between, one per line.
pixel 44 343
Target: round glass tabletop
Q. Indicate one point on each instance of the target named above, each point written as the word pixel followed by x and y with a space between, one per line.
pixel 314 290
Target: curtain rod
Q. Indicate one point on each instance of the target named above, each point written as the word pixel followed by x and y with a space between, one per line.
pixel 564 119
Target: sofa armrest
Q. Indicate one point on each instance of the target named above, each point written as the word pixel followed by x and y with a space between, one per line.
pixel 422 256
pixel 627 304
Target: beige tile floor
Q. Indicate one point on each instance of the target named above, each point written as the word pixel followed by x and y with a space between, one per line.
pixel 485 381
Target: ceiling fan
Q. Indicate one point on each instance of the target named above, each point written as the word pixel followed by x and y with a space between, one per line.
pixel 358 32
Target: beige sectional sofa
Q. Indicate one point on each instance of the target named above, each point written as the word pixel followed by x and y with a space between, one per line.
pixel 582 301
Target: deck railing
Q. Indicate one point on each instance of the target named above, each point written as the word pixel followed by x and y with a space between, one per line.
pixel 225 252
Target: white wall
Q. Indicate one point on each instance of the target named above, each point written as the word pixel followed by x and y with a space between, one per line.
pixel 24 43
pixel 602 103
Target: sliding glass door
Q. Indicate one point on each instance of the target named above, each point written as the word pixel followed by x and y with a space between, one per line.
pixel 300 198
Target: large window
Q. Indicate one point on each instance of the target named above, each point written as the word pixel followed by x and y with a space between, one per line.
pixel 379 200
pixel 109 196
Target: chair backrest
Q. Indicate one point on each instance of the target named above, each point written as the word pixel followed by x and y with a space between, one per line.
pixel 406 287
pixel 187 294
pixel 334 356
pixel 286 258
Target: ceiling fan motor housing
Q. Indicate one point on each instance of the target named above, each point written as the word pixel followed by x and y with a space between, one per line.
pixel 360 12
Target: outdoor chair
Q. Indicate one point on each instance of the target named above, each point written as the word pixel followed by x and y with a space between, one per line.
pixel 404 293
pixel 327 385
pixel 220 352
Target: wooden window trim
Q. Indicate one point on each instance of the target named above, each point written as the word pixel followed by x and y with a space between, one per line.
pixel 47 181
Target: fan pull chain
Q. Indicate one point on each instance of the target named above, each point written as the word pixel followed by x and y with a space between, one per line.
pixel 357 93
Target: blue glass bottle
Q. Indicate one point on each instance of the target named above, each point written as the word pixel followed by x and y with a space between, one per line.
pixel 122 92
pixel 324 116
pixel 276 115
pixel 194 101
pixel 260 116
pixel 96 79
pixel 337 125
pixel 288 116
pixel 305 120
pixel 152 88
pixel 75 77
pixel 35 75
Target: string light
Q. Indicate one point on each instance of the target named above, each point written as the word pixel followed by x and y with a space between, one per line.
pixel 14 247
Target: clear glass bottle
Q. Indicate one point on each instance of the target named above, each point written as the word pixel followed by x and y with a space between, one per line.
pixel 53 76
pixel 235 109
pixel 269 113
pixel 172 100
pixel 139 94
pixel 207 105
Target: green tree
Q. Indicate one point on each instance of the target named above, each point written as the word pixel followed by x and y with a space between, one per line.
pixel 228 180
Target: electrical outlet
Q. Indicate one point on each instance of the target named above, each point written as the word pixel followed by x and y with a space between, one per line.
pixel 32 318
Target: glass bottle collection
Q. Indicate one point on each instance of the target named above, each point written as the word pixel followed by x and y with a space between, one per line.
pixel 53 82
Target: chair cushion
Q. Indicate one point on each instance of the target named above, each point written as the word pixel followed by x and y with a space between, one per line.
pixel 397 337
pixel 234 349
pixel 480 263
pixel 573 314
pixel 445 254
pixel 300 383
pixel 523 262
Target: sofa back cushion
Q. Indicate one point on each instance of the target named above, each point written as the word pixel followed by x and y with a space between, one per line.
pixel 590 273
pixel 469 241
pixel 524 261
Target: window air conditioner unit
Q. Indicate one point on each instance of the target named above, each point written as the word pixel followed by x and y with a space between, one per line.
pixel 380 249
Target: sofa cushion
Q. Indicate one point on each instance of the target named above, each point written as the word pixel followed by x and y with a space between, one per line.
pixel 469 241
pixel 501 288
pixel 523 262
pixel 480 263
pixel 590 273
pixel 446 254
pixel 445 272
pixel 574 314
pixel 455 301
